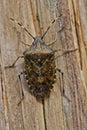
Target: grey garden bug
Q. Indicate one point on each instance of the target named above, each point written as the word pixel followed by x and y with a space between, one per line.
pixel 39 65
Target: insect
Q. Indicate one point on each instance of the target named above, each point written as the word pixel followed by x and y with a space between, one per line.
pixel 39 65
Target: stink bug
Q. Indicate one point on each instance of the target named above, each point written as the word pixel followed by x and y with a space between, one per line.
pixel 39 68
pixel 39 65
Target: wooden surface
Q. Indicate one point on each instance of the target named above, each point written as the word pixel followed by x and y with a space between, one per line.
pixel 57 113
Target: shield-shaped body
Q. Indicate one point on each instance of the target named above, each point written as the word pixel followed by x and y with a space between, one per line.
pixel 39 68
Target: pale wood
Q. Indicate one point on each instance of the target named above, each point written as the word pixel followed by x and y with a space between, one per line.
pixel 57 112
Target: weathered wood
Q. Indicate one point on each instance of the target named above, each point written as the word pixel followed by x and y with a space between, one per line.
pixel 57 112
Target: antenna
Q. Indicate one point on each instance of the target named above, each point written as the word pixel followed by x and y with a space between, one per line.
pixel 48 28
pixel 22 27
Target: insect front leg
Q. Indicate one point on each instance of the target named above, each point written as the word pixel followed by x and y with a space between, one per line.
pixel 11 66
pixel 53 42
pixel 25 43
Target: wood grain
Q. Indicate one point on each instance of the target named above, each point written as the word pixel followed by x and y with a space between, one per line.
pixel 57 112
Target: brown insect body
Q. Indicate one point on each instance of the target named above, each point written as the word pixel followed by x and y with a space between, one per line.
pixel 39 68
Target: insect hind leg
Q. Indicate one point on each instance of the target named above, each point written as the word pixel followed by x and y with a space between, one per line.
pixel 62 90
pixel 22 93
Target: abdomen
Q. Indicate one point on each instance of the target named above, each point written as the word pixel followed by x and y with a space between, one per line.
pixel 40 74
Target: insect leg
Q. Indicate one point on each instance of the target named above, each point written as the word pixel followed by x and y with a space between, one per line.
pixel 22 93
pixel 11 66
pixel 53 42
pixel 66 52
pixel 62 90
pixel 25 43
